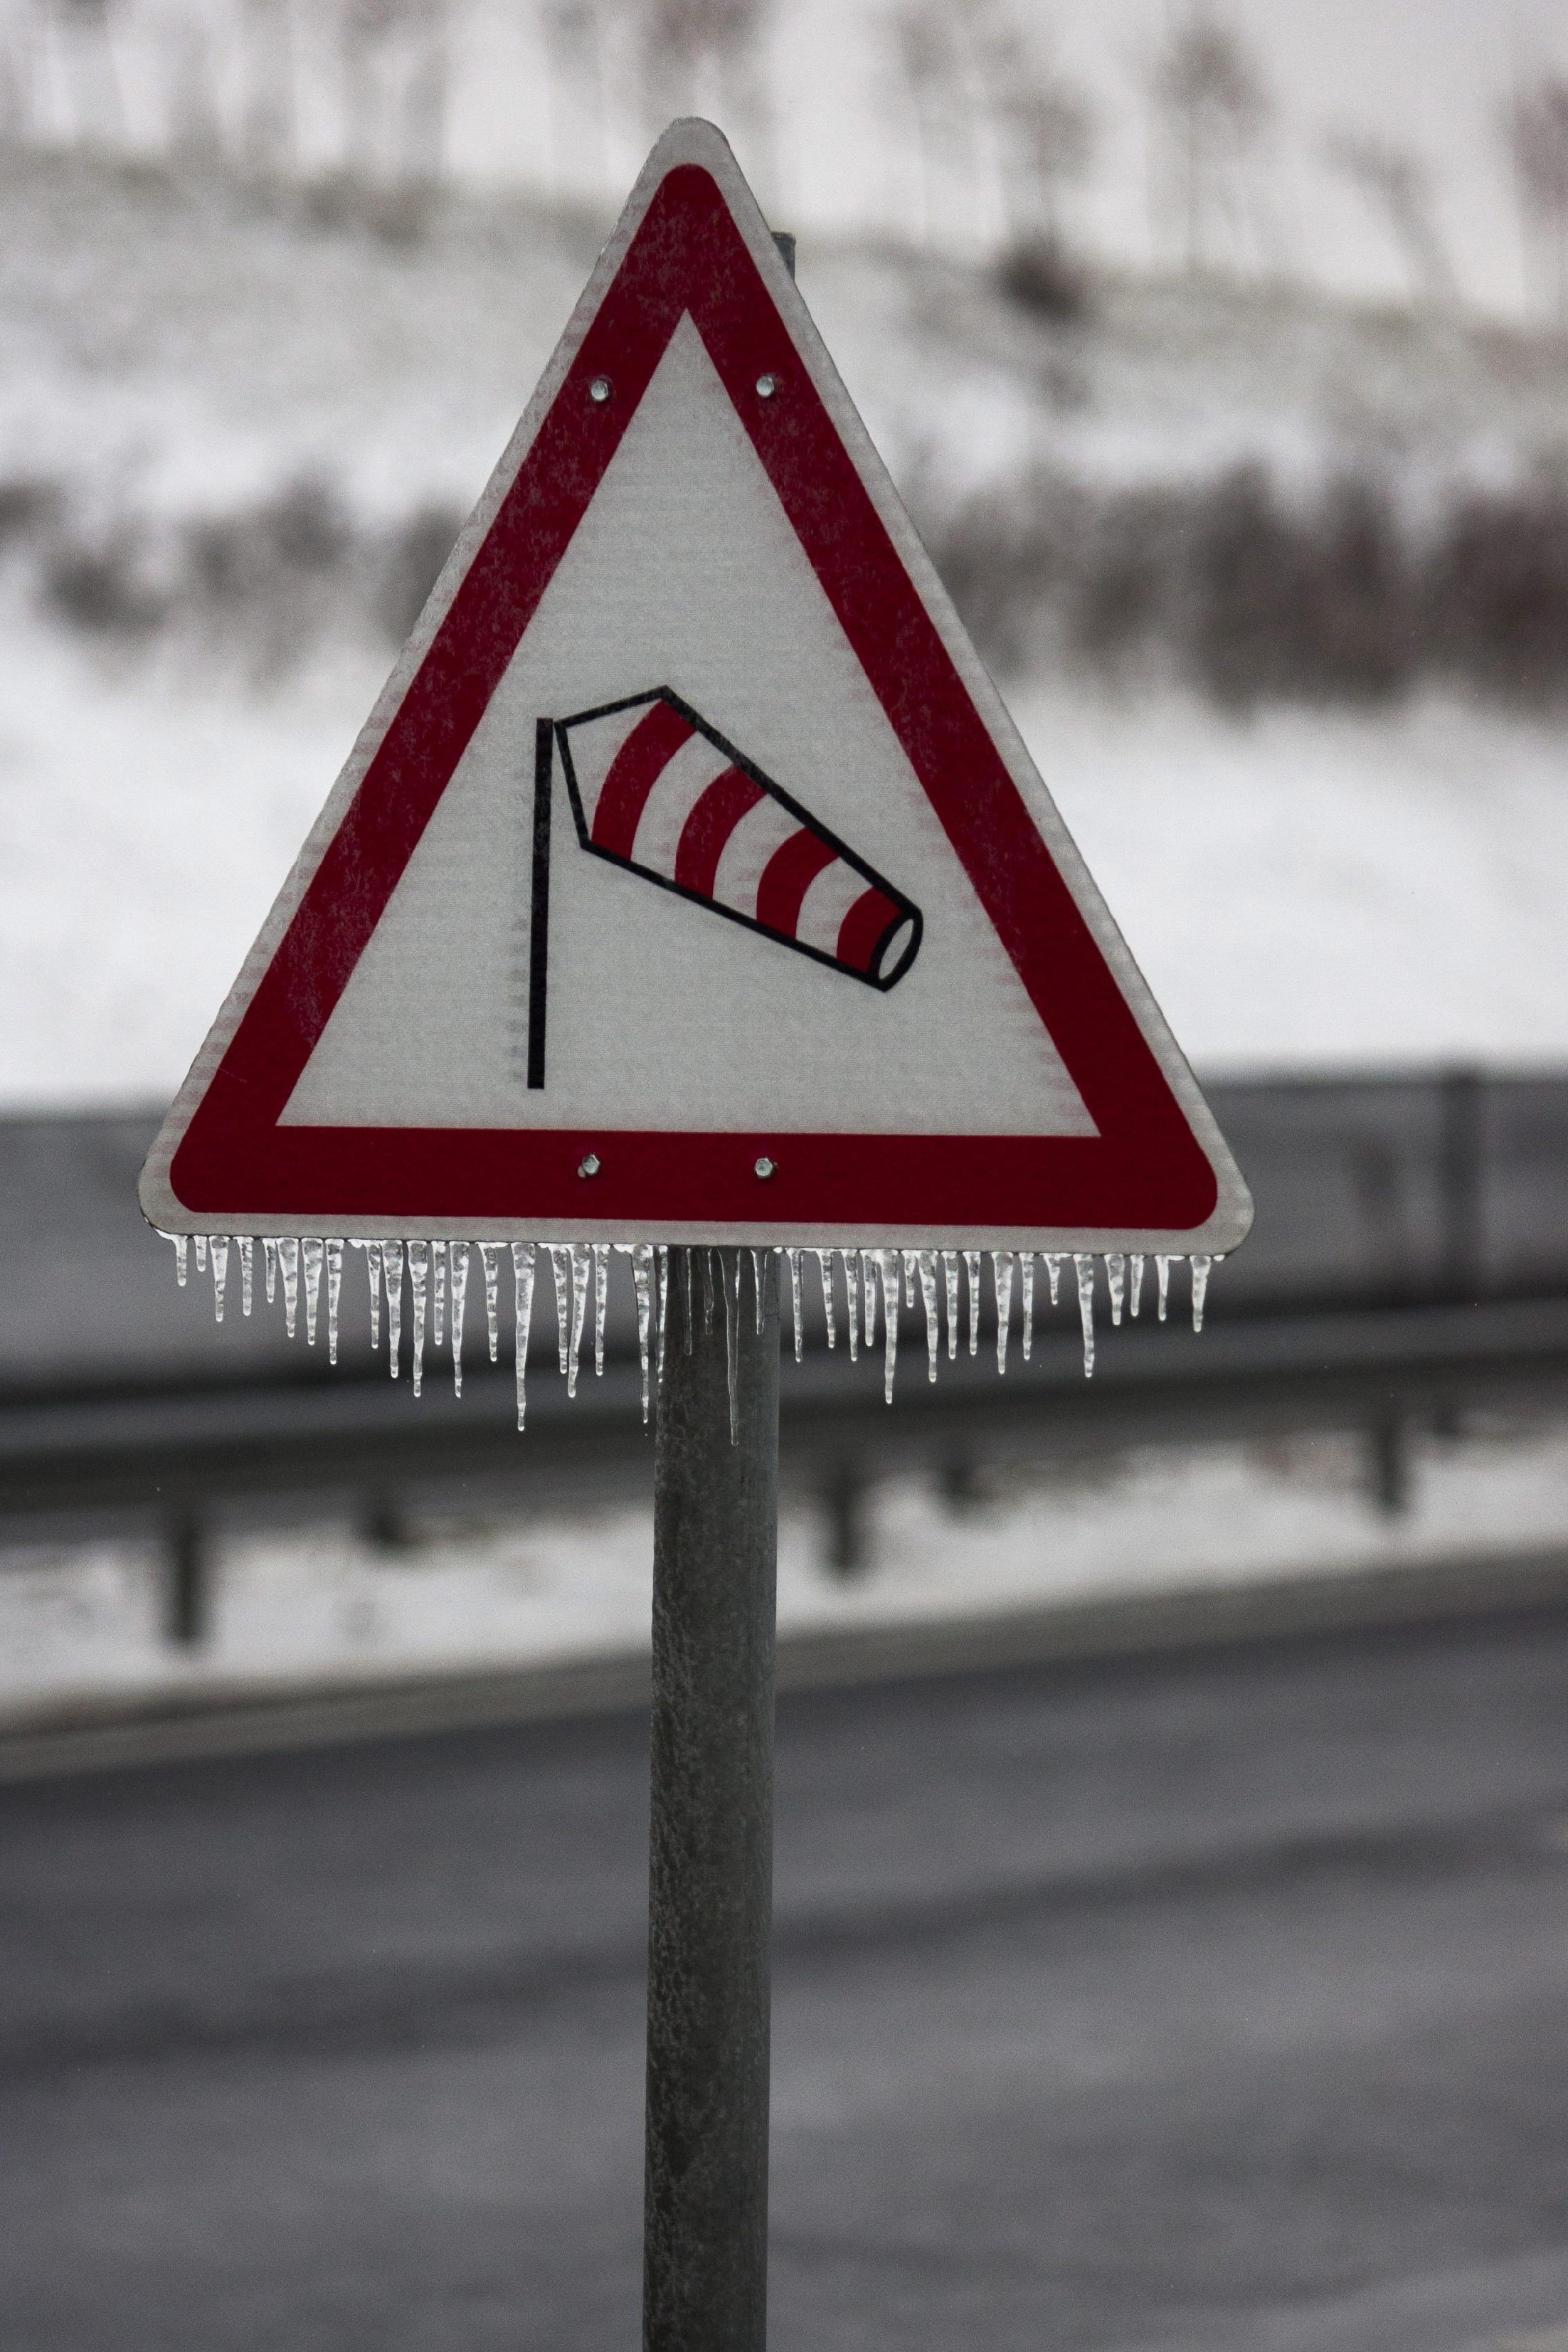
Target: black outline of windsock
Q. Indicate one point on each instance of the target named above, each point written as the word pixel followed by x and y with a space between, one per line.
pixel 733 787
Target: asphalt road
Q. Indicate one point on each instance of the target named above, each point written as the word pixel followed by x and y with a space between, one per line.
pixel 1204 2003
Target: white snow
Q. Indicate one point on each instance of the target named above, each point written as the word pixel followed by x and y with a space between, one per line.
pixel 1302 888
pixel 82 1623
pixel 1309 885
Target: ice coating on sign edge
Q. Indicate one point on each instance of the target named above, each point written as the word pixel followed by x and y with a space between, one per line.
pixel 522 1265
pixel 899 1271
pixel 418 1282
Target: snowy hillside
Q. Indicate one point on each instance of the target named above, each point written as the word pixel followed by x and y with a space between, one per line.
pixel 234 443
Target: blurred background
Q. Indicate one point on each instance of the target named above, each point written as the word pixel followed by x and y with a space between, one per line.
pixel 1222 357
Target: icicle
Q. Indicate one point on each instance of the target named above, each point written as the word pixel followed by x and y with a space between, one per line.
pixel 1002 1284
pixel 310 1256
pixel 709 1294
pixel 732 1342
pixel 289 1259
pixel 758 1259
pixel 600 1296
pixel 892 1283
pixel 950 1273
pixel 1163 1277
pixel 438 1291
pixel 581 1261
pixel 1026 1273
pixel 972 1267
pixel 926 1261
pixel 247 1273
pixel 869 1298
pixel 201 1240
pixel 1116 1280
pixel 269 1261
pixel 663 1303
pixel 489 1257
pixel 1202 1267
pixel 457 1261
pixel 1053 1275
pixel 1134 1283
pixel 793 1257
pixel 182 1263
pixel 852 1292
pixel 1084 1262
pixel 825 1268
pixel 220 1273
pixel 522 1259
pixel 909 1272
pixel 334 1291
pixel 642 1284
pixel 419 1284
pixel 374 1253
pixel 560 1264
pixel 392 1265
pixel 688 1273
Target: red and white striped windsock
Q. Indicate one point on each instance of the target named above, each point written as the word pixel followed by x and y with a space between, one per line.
pixel 658 790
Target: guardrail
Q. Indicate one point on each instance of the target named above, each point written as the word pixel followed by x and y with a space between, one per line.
pixel 1410 1265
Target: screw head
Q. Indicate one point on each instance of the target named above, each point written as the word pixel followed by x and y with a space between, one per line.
pixel 766 386
pixel 589 1164
pixel 600 388
pixel 765 1167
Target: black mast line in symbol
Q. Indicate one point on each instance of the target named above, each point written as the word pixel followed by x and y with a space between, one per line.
pixel 538 923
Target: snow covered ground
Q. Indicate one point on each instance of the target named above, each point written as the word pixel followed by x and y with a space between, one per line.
pixel 81 1624
pixel 1311 885
pixel 1303 888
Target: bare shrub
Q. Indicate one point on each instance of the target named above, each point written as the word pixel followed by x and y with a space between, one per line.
pixel 1497 600
pixel 1253 596
pixel 410 566
pixel 1398 183
pixel 1043 125
pixel 1282 603
pixel 102 588
pixel 1212 105
pixel 270 578
pixel 1537 131
pixel 27 503
pixel 1040 275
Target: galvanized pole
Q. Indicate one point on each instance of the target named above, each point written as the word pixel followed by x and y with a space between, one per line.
pixel 705 2247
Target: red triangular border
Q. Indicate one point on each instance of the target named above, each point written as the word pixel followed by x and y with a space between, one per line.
pixel 1144 1173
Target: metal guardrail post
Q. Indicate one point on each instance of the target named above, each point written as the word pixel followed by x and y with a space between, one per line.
pixel 187 1592
pixel 1461 1169
pixel 711 1860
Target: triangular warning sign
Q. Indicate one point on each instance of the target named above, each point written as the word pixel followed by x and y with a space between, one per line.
pixel 690 881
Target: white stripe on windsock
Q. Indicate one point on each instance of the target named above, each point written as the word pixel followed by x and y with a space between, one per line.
pixel 760 832
pixel 680 786
pixel 826 904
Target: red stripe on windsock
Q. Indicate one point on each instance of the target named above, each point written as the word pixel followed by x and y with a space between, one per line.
pixel 864 927
pixel 634 772
pixel 729 798
pixel 788 876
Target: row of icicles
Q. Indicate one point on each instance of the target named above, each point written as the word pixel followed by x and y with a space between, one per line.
pixel 439 1270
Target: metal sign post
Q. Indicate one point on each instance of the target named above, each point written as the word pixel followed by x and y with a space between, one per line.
pixel 705 2248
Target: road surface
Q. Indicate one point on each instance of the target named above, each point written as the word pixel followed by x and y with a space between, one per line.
pixel 1179 2005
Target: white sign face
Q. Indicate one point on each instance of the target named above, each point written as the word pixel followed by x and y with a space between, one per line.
pixel 690 846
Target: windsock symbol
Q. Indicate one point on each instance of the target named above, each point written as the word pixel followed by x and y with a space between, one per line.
pixel 658 791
